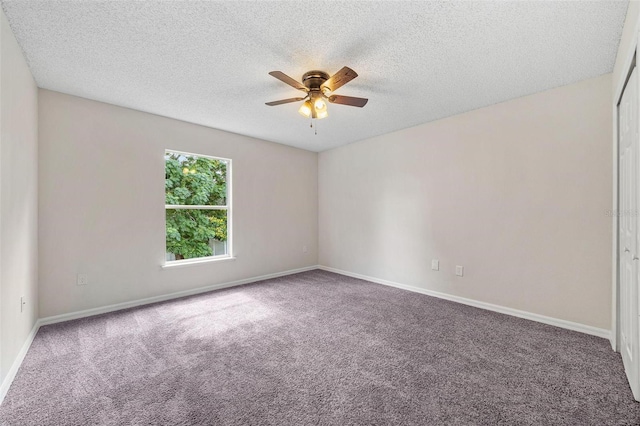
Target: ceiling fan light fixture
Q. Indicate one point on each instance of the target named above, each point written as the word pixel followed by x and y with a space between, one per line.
pixel 321 109
pixel 322 114
pixel 305 109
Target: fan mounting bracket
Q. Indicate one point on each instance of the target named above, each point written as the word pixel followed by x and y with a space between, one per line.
pixel 312 80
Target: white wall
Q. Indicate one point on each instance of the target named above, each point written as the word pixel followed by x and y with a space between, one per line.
pixel 517 193
pixel 102 204
pixel 18 198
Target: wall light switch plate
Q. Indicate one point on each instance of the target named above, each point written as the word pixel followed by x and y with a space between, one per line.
pixel 459 270
pixel 83 279
pixel 435 264
pixel 304 249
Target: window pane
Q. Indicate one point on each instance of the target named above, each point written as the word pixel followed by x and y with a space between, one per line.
pixel 195 233
pixel 194 181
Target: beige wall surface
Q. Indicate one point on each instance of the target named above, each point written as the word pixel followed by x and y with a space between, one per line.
pixel 102 204
pixel 18 198
pixel 517 193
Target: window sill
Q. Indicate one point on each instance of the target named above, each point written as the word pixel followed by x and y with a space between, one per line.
pixel 199 261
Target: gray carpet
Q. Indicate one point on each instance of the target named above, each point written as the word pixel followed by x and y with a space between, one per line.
pixel 316 349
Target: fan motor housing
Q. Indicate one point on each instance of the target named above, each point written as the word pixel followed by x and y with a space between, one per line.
pixel 312 80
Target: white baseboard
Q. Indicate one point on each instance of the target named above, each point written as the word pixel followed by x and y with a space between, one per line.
pixel 582 328
pixel 132 304
pixel 4 388
pixel 6 383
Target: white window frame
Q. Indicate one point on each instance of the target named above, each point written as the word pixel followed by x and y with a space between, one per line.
pixel 228 208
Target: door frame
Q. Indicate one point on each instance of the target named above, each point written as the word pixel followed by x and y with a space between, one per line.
pixel 630 59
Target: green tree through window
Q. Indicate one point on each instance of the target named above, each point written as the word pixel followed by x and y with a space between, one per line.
pixel 196 205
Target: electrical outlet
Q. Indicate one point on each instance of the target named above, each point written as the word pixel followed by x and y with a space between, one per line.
pixel 435 264
pixel 83 279
pixel 304 249
pixel 22 303
pixel 459 270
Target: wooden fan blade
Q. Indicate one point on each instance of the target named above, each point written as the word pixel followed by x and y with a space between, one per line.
pixel 283 101
pixel 286 79
pixel 348 100
pixel 340 78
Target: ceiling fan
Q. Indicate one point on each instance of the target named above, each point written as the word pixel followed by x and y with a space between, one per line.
pixel 318 87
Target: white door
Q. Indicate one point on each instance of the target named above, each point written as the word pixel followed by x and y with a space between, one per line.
pixel 628 225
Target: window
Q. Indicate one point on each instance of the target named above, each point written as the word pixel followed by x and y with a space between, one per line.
pixel 197 206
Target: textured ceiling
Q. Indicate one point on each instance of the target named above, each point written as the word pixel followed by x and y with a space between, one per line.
pixel 207 62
